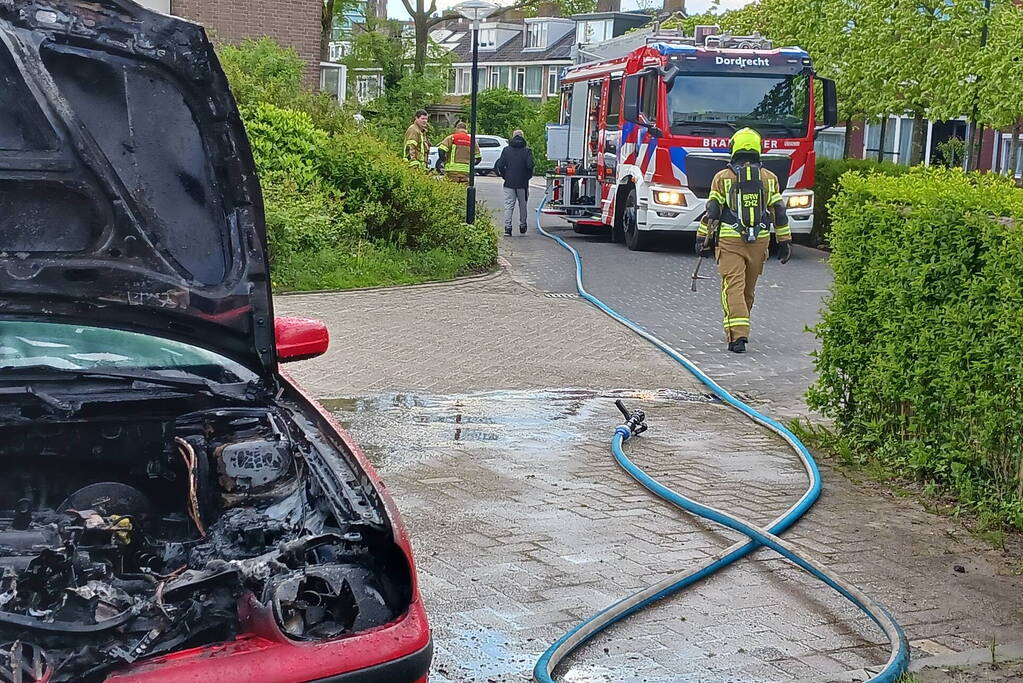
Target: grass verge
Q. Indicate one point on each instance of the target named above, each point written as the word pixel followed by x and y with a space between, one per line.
pixel 984 525
pixel 367 264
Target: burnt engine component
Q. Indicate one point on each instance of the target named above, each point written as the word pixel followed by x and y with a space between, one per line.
pixel 110 497
pixel 110 555
pixel 251 466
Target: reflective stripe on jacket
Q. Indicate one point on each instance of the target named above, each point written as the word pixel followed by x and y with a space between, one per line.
pixel 718 209
pixel 417 148
pixel 456 147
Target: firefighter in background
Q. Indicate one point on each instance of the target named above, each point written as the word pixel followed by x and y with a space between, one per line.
pixel 417 147
pixel 454 154
pixel 745 199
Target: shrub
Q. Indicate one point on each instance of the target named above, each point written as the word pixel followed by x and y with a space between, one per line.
pixel 500 111
pixel 827 174
pixel 536 132
pixel 262 71
pixel 920 364
pixel 324 191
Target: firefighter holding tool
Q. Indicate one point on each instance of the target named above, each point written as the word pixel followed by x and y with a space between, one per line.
pixel 745 200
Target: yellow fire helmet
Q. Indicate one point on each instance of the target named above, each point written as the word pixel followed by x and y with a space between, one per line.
pixel 746 140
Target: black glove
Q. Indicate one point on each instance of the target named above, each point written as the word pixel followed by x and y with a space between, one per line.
pixel 784 251
pixel 704 245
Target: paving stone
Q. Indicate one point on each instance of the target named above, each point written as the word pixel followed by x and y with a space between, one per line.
pixel 523 523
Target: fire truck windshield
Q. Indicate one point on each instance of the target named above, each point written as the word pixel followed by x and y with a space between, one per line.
pixel 776 106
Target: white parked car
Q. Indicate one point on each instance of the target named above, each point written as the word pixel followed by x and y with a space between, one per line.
pixel 491 147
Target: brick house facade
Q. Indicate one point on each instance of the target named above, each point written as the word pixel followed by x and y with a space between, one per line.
pixel 293 23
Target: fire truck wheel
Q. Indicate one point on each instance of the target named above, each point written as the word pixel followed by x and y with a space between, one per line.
pixel 617 227
pixel 635 239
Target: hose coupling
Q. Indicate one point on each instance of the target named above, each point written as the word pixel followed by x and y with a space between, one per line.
pixel 635 421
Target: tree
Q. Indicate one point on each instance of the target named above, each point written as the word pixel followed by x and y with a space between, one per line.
pixel 331 10
pixel 501 111
pixel 381 46
pixel 424 17
pixel 999 69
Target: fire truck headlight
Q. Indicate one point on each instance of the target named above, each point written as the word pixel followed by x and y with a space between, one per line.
pixel 799 201
pixel 669 197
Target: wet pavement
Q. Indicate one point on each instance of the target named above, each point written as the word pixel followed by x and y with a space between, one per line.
pixel 524 525
pixel 487 405
pixel 653 289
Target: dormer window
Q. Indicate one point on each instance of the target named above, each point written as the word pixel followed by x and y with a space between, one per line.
pixel 536 35
pixel 488 38
pixel 594 31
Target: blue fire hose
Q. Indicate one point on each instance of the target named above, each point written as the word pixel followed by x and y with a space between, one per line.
pixel 767 536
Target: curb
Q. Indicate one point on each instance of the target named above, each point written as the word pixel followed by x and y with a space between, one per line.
pixel 1008 652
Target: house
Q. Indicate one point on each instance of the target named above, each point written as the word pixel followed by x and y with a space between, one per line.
pixel 529 54
pixel 525 56
pixel 890 140
pixel 293 23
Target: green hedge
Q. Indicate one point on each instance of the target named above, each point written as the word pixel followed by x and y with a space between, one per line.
pixel 330 196
pixel 827 173
pixel 921 364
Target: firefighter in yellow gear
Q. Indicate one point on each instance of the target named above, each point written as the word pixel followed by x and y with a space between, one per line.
pixel 745 199
pixel 417 147
pixel 454 154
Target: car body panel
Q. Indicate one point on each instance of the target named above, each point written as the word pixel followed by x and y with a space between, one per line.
pixel 128 192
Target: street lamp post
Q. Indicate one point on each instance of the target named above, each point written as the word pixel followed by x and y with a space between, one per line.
pixel 475 11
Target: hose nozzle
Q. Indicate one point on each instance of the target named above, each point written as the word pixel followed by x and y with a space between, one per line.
pixel 635 422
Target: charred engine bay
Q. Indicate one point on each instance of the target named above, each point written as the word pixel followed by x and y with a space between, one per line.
pixel 122 538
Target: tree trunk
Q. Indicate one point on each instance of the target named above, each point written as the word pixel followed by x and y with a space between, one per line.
pixel 422 42
pixel 916 148
pixel 847 143
pixel 880 138
pixel 326 27
pixel 977 147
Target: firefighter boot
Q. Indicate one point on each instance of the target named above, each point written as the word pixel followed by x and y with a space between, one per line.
pixel 738 346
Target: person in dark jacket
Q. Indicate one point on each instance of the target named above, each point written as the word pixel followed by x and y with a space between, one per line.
pixel 516 167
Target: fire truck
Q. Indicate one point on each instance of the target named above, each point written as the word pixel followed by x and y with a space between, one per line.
pixel 642 134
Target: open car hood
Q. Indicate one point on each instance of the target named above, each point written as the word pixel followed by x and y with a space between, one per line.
pixel 128 193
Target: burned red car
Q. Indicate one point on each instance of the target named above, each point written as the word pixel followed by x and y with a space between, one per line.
pixel 173 507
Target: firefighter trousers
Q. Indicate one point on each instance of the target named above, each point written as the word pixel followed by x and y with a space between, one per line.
pixel 740 264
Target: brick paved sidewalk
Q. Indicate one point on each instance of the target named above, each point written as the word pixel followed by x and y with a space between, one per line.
pixel 488 408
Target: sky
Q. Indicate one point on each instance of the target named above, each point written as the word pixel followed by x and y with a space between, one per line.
pixel 397 11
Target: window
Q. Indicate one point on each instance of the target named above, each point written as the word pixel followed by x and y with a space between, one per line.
pixel 830 143
pixel 649 95
pixel 488 38
pixel 506 77
pixel 873 141
pixel 552 80
pixel 452 82
pixel 487 142
pixel 367 87
pixel 596 31
pixel 520 79
pixel 463 80
pixel 536 35
pixel 333 80
pixel 614 102
pixel 534 81
pixel 776 106
pixel 63 346
pixel 1006 153
pixel 495 77
pixel 905 139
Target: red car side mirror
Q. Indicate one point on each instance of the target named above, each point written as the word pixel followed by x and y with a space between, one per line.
pixel 300 338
